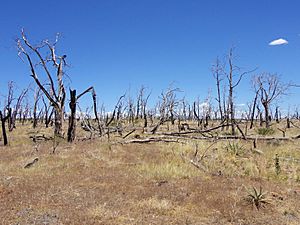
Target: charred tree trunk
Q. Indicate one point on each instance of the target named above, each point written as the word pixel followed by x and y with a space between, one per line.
pixel 72 119
pixel 58 121
pixel 3 120
pixel 267 117
pixel 277 114
pixel 172 117
pixel 261 119
pixel 48 118
pixel 145 120
pixel 34 124
pixel 253 110
pixel 288 122
pixel 94 96
pixel 196 115
pixel 9 119
pixel 231 106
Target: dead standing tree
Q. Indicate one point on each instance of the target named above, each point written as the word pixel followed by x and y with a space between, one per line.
pixel 17 109
pixel 254 103
pixel 48 112
pixel 3 119
pixel 141 106
pixel 167 108
pixel 14 109
pixel 217 69
pixel 233 71
pixel 7 111
pixel 72 117
pixel 270 88
pixel 36 97
pixel 34 56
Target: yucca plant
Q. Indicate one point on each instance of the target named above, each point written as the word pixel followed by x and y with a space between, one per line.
pixel 257 198
pixel 277 165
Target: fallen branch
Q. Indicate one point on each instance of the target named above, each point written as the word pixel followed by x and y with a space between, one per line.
pixel 130 132
pixel 30 164
pixel 36 138
pixel 198 165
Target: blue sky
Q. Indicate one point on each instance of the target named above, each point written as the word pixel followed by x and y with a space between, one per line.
pixel 121 45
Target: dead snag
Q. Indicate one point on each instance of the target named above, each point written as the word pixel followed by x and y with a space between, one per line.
pixel 283 131
pixel 233 72
pixel 253 109
pixel 94 96
pixel 217 70
pixel 34 56
pixel 48 112
pixel 270 88
pixel 3 120
pixel 17 108
pixel 37 95
pixel 72 117
pixel 114 112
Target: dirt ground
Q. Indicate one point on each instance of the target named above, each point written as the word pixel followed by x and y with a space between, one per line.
pixel 96 182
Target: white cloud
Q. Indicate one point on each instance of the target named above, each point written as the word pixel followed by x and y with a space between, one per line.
pixel 279 41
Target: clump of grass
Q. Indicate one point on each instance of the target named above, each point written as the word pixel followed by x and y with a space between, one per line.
pixel 250 168
pixel 167 170
pixel 155 204
pixel 257 198
pixel 265 131
pixel 235 148
pixel 99 212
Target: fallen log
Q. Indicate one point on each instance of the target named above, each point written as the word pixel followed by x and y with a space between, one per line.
pixel 178 139
pixel 151 139
pixel 194 131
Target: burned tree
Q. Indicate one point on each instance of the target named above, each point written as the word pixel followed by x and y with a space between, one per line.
pixel 141 106
pixel 72 118
pixel 254 104
pixel 196 110
pixel 48 112
pixel 233 71
pixel 3 119
pixel 43 58
pixel 36 97
pixel 270 88
pixel 8 104
pixel 94 96
pixel 167 107
pixel 217 70
pixel 17 108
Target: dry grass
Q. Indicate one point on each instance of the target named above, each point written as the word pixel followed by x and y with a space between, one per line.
pixel 96 182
